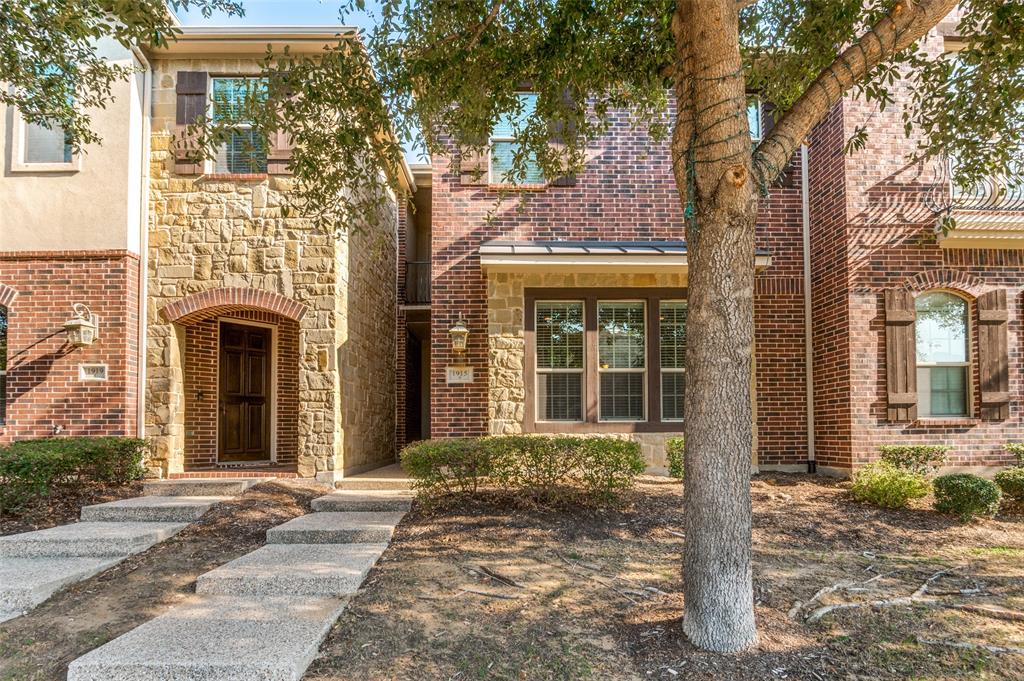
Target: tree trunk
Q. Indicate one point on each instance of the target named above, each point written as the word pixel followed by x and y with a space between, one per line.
pixel 713 153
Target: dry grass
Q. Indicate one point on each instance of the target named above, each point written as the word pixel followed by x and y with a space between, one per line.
pixel 586 594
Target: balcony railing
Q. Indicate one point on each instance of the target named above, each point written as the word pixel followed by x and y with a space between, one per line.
pixel 417 282
pixel 999 193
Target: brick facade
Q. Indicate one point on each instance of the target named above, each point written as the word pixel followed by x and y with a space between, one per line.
pixel 45 394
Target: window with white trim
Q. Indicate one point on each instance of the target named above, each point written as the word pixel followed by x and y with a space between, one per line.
pixel 244 151
pixel 3 364
pixel 504 148
pixel 943 367
pixel 560 371
pixel 672 325
pixel 622 367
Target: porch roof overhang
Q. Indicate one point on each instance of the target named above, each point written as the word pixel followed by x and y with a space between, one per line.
pixel 592 256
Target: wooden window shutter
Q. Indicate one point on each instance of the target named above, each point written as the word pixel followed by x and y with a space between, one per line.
pixel 474 165
pixel 280 153
pixel 558 131
pixel 191 93
pixel 993 355
pixel 900 355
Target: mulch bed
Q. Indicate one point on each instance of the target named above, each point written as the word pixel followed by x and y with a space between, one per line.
pixel 499 589
pixel 40 645
pixel 64 506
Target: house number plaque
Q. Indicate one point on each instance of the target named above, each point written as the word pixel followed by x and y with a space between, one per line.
pixel 460 374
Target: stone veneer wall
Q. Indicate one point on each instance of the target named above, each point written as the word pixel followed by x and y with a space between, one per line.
pixel 208 233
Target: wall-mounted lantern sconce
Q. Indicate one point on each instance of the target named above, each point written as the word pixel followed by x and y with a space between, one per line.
pixel 84 328
pixel 459 334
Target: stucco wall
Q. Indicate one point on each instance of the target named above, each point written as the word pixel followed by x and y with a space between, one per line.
pixel 95 208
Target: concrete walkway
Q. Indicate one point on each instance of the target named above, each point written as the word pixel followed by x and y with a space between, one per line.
pixel 264 615
pixel 34 565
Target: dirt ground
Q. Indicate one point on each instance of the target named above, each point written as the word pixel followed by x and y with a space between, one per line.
pixel 63 506
pixel 39 646
pixel 492 590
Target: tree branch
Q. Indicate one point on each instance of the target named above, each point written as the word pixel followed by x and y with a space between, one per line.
pixel 906 23
pixel 484 25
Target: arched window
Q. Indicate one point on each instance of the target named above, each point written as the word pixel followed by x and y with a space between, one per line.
pixel 3 363
pixel 942 363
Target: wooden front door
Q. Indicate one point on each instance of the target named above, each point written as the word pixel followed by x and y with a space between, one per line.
pixel 244 393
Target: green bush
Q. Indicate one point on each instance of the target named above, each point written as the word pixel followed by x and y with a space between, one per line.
pixel 966 496
pixel 447 466
pixel 1017 449
pixel 883 484
pixel 1011 483
pixel 32 469
pixel 920 459
pixel 674 450
pixel 545 468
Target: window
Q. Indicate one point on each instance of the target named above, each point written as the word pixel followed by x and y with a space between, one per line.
pixel 559 338
pixel 46 145
pixel 672 318
pixel 621 366
pixel 604 360
pixel 3 363
pixel 504 148
pixel 754 119
pixel 244 151
pixel 942 364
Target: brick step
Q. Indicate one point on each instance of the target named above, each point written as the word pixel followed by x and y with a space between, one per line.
pixel 152 509
pixel 360 500
pixel 92 539
pixel 199 487
pixel 350 527
pixel 294 569
pixel 217 638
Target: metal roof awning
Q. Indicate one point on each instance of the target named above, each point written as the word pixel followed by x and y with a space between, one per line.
pixel 591 256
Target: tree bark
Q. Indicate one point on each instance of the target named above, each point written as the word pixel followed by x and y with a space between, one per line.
pixel 713 164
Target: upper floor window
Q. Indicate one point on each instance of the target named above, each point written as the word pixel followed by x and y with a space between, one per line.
pixel 942 357
pixel 38 148
pixel 244 151
pixel 755 118
pixel 504 149
pixel 3 363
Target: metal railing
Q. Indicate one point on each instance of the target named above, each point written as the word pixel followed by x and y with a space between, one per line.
pixel 417 282
pixel 998 193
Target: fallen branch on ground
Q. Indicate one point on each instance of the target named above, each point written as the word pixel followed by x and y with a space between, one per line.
pixel 507 597
pixel 963 645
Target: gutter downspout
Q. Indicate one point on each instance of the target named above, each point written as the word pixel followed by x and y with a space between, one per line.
pixel 147 105
pixel 812 463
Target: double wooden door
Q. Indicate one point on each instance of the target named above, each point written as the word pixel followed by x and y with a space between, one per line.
pixel 244 393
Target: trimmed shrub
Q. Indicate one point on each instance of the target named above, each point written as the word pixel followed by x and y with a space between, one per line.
pixel 545 468
pixel 33 469
pixel 447 466
pixel 966 496
pixel 1017 449
pixel 1011 484
pixel 675 449
pixel 883 484
pixel 920 459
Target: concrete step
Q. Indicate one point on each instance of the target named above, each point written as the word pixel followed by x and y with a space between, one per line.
pixel 294 569
pixel 200 487
pixel 27 582
pixel 350 527
pixel 390 477
pixel 87 540
pixel 217 638
pixel 151 509
pixel 360 500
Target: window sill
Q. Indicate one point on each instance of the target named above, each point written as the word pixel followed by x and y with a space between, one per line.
pixel 939 421
pixel 47 168
pixel 503 187
pixel 235 177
